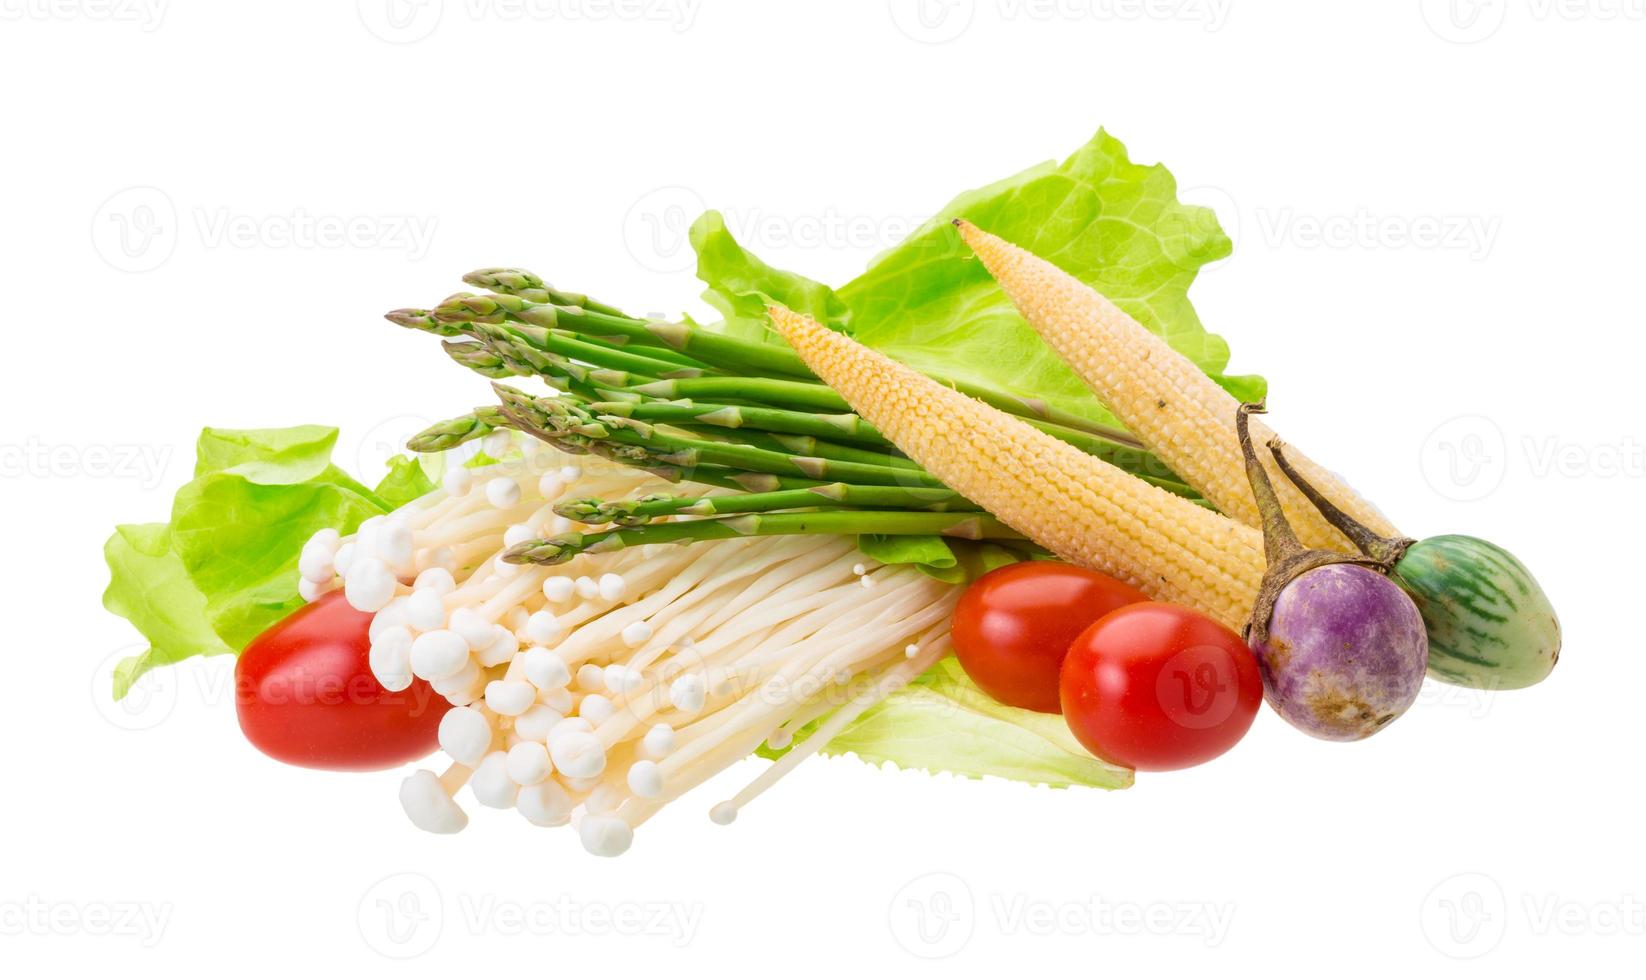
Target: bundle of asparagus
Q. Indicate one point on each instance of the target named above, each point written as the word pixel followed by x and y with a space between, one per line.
pixel 686 403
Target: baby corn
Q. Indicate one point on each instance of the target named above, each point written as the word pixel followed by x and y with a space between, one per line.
pixel 1182 415
pixel 1079 507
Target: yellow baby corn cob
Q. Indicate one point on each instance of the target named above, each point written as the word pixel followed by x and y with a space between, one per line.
pixel 1181 415
pixel 1076 505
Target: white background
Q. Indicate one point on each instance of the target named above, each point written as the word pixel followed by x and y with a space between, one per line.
pixel 1438 215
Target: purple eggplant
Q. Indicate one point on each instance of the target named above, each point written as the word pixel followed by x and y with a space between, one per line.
pixel 1342 649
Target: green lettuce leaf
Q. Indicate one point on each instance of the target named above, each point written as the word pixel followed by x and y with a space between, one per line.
pixel 150 587
pixel 928 302
pixel 942 722
pixel 225 568
pixel 741 286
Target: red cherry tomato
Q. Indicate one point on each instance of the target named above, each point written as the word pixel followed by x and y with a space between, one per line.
pixel 305 695
pixel 1156 687
pixel 1014 625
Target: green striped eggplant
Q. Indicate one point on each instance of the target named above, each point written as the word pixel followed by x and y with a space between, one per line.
pixel 1490 624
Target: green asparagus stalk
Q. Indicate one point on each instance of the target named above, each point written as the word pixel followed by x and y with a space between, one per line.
pixel 833 495
pixel 563 548
pixel 671 398
pixel 845 425
pixel 452 433
pixel 519 282
pixel 704 345
pixel 732 354
pixel 562 418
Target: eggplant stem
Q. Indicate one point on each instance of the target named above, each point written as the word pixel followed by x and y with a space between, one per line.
pixel 1385 551
pixel 1279 539
pixel 1284 553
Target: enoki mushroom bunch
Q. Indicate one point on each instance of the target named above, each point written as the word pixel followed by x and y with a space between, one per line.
pixel 596 691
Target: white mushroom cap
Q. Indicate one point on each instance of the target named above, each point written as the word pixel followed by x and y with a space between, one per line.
pixel 545 669
pixel 597 708
pixel 371 584
pixel 457 482
pixel 613 587
pixel 688 693
pixel 543 628
pixel 502 493
pixel 528 763
pixel 465 735
pixel 658 741
pixel 604 835
pixel 577 754
pixel 491 783
pixel 425 609
pixel 390 658
pixel 536 724
pixel 435 579
pixel 545 804
pixel 646 779
pixel 559 588
pixel 475 629
pixel 463 686
pixel 510 697
pixel 438 655
pixel 500 650
pixel 429 806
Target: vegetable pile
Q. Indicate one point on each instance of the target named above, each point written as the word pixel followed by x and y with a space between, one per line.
pixel 664 546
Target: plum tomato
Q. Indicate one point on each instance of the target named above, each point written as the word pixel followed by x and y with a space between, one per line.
pixel 305 695
pixel 1155 687
pixel 1013 626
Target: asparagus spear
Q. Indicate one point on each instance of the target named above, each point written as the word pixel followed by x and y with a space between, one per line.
pixel 562 418
pixel 563 548
pixel 731 353
pixel 519 282
pixel 455 432
pixel 832 495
